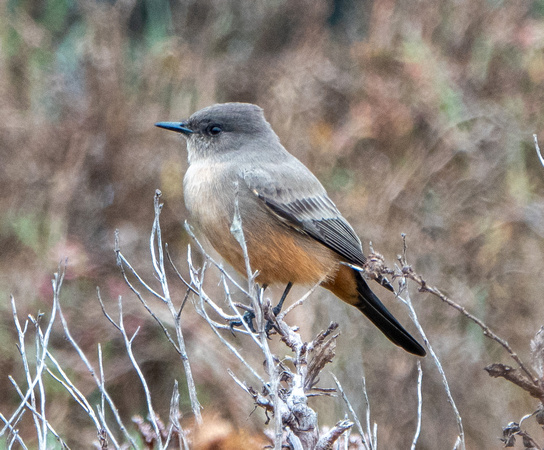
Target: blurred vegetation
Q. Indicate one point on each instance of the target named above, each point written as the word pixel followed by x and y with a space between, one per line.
pixel 417 117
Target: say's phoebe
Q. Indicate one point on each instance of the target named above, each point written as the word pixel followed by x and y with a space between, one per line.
pixel 294 232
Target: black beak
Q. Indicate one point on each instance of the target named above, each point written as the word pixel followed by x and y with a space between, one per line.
pixel 178 127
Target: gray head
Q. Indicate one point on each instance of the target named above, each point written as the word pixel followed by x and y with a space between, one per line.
pixel 221 130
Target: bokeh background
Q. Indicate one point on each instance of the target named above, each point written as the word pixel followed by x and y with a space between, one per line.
pixel 416 116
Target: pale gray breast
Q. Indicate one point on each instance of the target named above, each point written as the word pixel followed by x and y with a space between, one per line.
pixel 209 192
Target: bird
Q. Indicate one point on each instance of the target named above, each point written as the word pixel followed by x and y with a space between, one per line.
pixel 294 232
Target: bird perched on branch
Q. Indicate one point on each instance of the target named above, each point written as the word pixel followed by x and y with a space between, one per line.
pixel 293 231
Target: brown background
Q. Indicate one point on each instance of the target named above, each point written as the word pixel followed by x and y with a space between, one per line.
pixel 416 116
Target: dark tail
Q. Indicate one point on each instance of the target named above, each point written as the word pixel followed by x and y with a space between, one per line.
pixel 373 308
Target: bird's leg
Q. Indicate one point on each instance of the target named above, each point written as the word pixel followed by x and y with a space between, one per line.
pixel 276 309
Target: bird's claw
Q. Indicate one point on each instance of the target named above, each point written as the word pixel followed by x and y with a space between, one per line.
pixel 248 319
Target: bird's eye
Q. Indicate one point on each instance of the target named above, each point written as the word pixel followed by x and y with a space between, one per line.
pixel 214 130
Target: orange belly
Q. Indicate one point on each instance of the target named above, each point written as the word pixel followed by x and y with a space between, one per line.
pixel 280 254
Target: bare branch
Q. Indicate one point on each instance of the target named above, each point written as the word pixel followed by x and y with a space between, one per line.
pixel 413 315
pixel 419 405
pixel 366 445
pixel 517 377
pixel 13 431
pixel 158 266
pixel 97 380
pixel 122 261
pixel 57 280
pixel 538 152
pixel 202 296
pixel 408 272
pixel 219 266
pixel 38 415
pixel 128 346
pixel 327 441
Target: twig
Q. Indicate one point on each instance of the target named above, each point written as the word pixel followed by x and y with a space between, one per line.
pixel 219 266
pixel 21 332
pixel 538 152
pixel 57 280
pixel 13 431
pixel 408 272
pixel 197 287
pixel 517 377
pixel 256 296
pixel 159 270
pixel 102 407
pixel 175 415
pixel 366 445
pixel 372 433
pixel 38 414
pixel 326 442
pixel 128 346
pixel 185 282
pixel 41 348
pixel 97 380
pixel 259 399
pixel 198 282
pixel 158 266
pixel 413 315
pixel 301 300
pixel 77 395
pixel 122 261
pixel 239 316
pixel 419 405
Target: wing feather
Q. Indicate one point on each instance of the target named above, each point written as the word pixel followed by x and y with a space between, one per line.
pixel 307 209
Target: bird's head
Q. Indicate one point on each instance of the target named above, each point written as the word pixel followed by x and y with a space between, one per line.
pixel 219 130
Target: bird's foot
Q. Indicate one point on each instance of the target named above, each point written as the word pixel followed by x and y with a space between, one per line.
pixel 247 318
pixel 250 315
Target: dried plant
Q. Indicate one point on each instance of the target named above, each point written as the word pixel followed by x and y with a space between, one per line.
pixel 282 387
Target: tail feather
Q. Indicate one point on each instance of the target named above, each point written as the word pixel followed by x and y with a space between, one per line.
pixel 377 313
